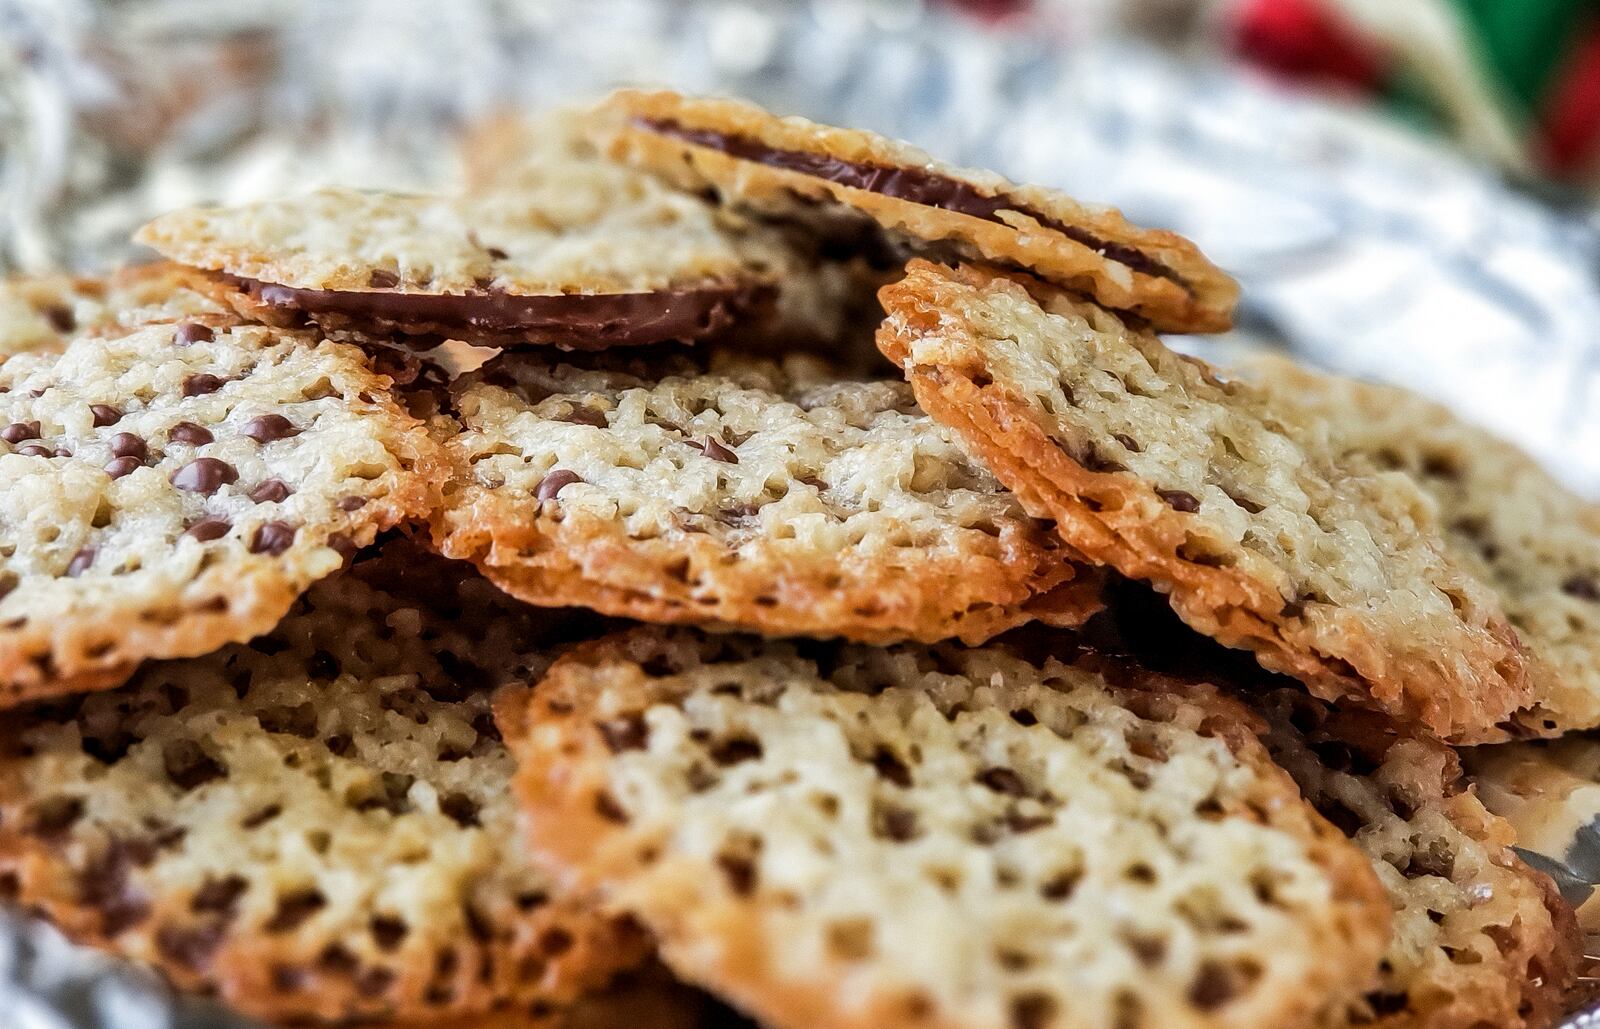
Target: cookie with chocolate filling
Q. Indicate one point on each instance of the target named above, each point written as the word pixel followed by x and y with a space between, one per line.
pixel 174 488
pixel 712 487
pixel 1533 540
pixel 584 262
pixel 44 312
pixel 1479 938
pixel 826 299
pixel 838 835
pixel 796 169
pixel 315 826
pixel 1262 534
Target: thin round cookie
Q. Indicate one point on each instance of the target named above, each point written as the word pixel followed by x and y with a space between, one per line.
pixel 172 489
pixel 787 166
pixel 315 826
pixel 717 488
pixel 583 262
pixel 1263 535
pixel 1533 540
pixel 43 313
pixel 1479 938
pixel 837 835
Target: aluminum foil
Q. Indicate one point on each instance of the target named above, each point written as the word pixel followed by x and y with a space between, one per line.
pixel 1359 246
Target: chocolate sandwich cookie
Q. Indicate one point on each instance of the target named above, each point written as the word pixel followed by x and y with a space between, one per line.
pixel 826 299
pixel 1533 540
pixel 316 826
pixel 1261 533
pixel 174 488
pixel 836 835
pixel 580 264
pixel 710 487
pixel 787 167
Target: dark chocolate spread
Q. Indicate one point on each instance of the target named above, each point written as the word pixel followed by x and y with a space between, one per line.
pixel 916 185
pixel 585 319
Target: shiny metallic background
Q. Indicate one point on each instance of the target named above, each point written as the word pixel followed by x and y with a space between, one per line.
pixel 1359 245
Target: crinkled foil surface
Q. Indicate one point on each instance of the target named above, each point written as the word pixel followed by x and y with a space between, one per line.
pixel 1359 246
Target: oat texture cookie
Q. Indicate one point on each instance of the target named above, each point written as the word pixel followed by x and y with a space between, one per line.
pixel 787 166
pixel 45 312
pixel 1263 535
pixel 827 297
pixel 313 826
pixel 836 835
pixel 172 489
pixel 711 487
pixel 1479 938
pixel 1504 517
pixel 583 263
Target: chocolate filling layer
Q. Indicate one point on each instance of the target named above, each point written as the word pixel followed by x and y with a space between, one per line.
pixel 583 318
pixel 911 184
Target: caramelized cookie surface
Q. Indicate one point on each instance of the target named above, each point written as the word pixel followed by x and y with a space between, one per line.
pixel 315 825
pixel 787 167
pixel 710 487
pixel 580 262
pixel 172 489
pixel 838 835
pixel 1264 535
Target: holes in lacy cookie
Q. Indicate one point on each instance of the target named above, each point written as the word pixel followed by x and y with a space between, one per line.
pixel 607 807
pixel 1265 886
pixel 218 896
pixel 1149 951
pixel 735 750
pixel 261 817
pixel 388 932
pixel 299 720
pixel 1218 983
pixel 189 946
pixel 851 939
pixel 1433 858
pixel 460 809
pixel 441 990
pixel 1197 550
pixel 389 792
pixel 53 816
pixel 895 823
pixel 188 766
pixel 625 732
pixel 294 908
pixel 1061 885
pixel 890 768
pixel 1032 1011
pixel 737 863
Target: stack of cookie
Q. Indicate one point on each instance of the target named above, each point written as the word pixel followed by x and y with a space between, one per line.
pixel 716 552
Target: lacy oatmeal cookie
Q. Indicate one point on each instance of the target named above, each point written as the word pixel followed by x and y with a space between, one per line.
pixel 716 488
pixel 1504 517
pixel 837 835
pixel 1264 536
pixel 1479 938
pixel 788 166
pixel 584 263
pixel 44 312
pixel 172 489
pixel 313 826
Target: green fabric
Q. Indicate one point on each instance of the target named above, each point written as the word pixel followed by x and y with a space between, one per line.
pixel 1524 42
